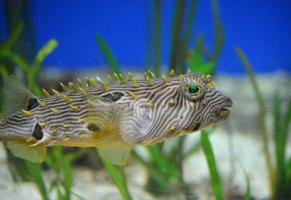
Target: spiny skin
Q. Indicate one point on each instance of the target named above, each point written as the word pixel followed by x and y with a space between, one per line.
pixel 137 112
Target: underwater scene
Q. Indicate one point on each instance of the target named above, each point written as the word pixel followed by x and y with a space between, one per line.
pixel 145 100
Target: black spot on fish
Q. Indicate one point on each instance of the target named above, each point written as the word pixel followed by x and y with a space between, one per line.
pixel 37 133
pixel 93 127
pixel 113 96
pixel 196 127
pixel 32 103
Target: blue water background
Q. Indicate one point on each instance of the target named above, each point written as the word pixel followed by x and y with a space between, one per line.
pixel 262 28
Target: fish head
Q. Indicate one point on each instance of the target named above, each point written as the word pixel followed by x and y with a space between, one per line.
pixel 202 105
pixel 175 106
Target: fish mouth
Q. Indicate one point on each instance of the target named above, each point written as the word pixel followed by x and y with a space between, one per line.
pixel 224 111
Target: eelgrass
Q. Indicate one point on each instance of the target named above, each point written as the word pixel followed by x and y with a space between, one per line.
pixel 60 164
pixel 34 172
pixel 174 61
pixel 248 195
pixel 112 63
pixel 118 178
pixel 209 155
pixel 281 127
pixel 262 118
pixel 201 60
pixel 279 176
pixel 157 37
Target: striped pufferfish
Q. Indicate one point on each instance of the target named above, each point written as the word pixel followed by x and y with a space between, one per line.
pixel 112 117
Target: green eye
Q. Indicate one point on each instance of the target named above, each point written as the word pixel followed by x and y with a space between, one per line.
pixel 192 88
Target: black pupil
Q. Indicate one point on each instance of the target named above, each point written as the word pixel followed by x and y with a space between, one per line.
pixel 193 88
pixel 32 103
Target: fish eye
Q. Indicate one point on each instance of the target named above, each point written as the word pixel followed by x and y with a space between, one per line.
pixel 32 103
pixel 193 90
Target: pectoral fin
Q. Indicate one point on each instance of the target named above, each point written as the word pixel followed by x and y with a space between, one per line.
pixel 22 150
pixel 116 153
pixel 135 125
pixel 104 116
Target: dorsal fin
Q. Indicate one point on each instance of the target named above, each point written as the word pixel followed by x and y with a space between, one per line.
pixel 15 96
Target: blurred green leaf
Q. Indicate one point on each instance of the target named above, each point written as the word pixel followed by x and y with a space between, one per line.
pixel 218 32
pixel 288 167
pixel 36 175
pixel 68 176
pixel 285 128
pixel 107 55
pixel 195 59
pixel 60 164
pixel 188 29
pixel 47 49
pixel 13 37
pixel 248 195
pixel 3 72
pixel 278 138
pixel 39 58
pixel 155 173
pixel 161 163
pixel 16 59
pixel 190 18
pixel 157 37
pixel 176 32
pixel 208 152
pixel 206 68
pixel 118 179
pixel 195 148
pixel 262 117
pixel 281 132
pixel 54 158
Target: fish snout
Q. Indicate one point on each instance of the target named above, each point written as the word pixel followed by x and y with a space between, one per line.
pixel 223 111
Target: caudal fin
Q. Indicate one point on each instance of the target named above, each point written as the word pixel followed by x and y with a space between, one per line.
pixel 15 96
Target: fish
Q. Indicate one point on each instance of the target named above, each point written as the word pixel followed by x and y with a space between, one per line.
pixel 112 116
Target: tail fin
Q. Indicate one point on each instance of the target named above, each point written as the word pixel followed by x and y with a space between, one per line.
pixel 15 96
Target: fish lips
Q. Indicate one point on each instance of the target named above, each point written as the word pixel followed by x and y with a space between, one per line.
pixel 223 111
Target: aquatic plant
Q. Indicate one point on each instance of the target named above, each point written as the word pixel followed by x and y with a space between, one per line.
pixel 277 163
pixel 208 151
pixel 200 59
